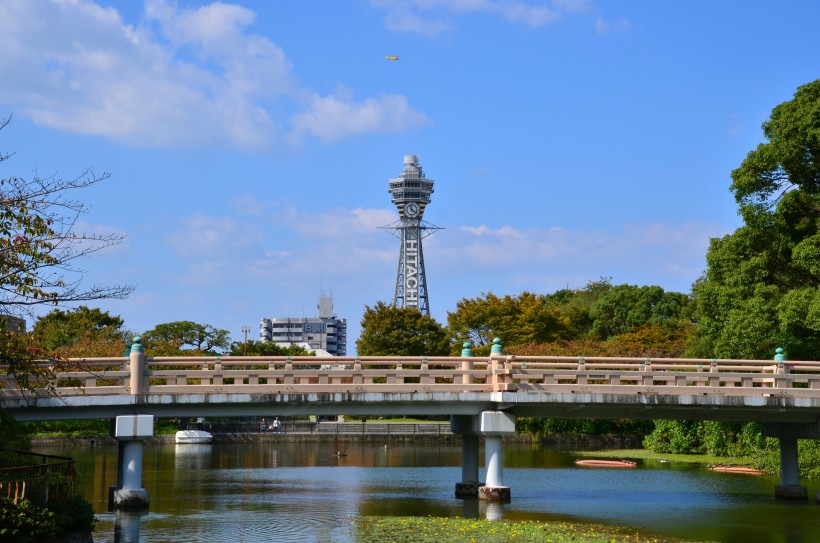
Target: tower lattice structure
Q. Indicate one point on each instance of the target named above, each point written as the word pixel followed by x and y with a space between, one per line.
pixel 410 192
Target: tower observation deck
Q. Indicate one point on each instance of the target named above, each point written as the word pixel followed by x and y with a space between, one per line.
pixel 410 192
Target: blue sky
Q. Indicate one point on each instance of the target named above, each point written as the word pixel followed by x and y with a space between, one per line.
pixel 250 143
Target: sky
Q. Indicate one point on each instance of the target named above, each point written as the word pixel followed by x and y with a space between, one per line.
pixel 250 143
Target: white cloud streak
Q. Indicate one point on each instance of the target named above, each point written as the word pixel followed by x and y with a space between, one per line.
pixel 433 17
pixel 603 26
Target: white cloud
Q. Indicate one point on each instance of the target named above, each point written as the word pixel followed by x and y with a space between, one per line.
pixel 247 204
pixel 656 252
pixel 179 78
pixel 602 26
pixel 333 118
pixel 432 17
pixel 203 236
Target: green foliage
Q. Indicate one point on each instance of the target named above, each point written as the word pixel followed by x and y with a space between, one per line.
pixel 400 331
pixel 541 427
pixel 516 320
pixel 653 340
pixel 568 319
pixel 81 332
pixel 68 427
pixel 21 356
pixel 182 338
pixel 676 436
pixel 25 522
pixel 624 308
pixel 265 348
pixel 761 289
pixel 13 435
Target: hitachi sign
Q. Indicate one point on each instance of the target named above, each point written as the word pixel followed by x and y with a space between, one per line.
pixel 411 273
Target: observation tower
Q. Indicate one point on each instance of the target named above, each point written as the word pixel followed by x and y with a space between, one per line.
pixel 410 192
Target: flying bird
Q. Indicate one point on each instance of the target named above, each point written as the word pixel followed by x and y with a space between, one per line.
pixel 391 57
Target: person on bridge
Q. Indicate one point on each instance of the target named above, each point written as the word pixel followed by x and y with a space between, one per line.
pixel 263 426
pixel 276 426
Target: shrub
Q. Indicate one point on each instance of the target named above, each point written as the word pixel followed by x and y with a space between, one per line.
pixel 25 522
pixel 676 437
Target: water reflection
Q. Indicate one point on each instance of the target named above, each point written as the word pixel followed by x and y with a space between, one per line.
pixel 303 492
pixel 127 526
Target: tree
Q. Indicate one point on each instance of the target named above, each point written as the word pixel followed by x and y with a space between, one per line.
pixel 39 244
pixel 624 308
pixel 400 331
pixel 81 332
pixel 516 320
pixel 265 348
pixel 185 337
pixel 761 288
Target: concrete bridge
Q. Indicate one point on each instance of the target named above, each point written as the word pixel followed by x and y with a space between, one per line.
pixel 482 396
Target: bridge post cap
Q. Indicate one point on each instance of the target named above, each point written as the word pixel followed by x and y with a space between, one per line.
pixel 137 346
pixel 497 348
pixel 779 356
pixel 467 349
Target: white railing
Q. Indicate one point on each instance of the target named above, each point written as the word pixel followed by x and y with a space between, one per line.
pixel 498 373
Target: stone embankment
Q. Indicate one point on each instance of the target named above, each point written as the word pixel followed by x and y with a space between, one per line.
pixel 558 441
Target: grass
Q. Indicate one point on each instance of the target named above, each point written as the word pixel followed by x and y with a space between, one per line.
pixel 459 530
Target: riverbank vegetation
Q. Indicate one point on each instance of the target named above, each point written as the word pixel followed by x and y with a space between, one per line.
pixel 23 521
pixel 459 530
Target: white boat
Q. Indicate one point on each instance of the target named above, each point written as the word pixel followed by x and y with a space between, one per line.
pixel 193 436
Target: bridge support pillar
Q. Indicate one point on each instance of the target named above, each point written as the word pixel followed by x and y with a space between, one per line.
pixel 493 425
pixel 130 430
pixel 466 425
pixel 788 434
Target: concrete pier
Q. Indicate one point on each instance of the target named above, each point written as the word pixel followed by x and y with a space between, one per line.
pixel 788 434
pixel 131 430
pixel 466 426
pixel 493 425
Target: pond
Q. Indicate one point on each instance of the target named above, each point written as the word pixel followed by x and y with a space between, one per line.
pixel 281 491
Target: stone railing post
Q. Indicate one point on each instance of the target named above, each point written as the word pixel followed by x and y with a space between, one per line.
pixel 781 368
pixel 647 367
pixel 500 369
pixel 581 377
pixel 358 379
pixel 424 371
pixel 466 365
pixel 137 366
pixel 713 368
pixel 492 367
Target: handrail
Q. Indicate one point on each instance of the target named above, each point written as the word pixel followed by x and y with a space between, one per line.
pixel 496 373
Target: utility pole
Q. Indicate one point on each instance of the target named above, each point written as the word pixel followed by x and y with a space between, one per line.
pixel 245 330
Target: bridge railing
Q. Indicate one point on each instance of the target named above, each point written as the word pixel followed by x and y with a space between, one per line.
pixel 497 373
pixel 552 373
pixel 313 374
